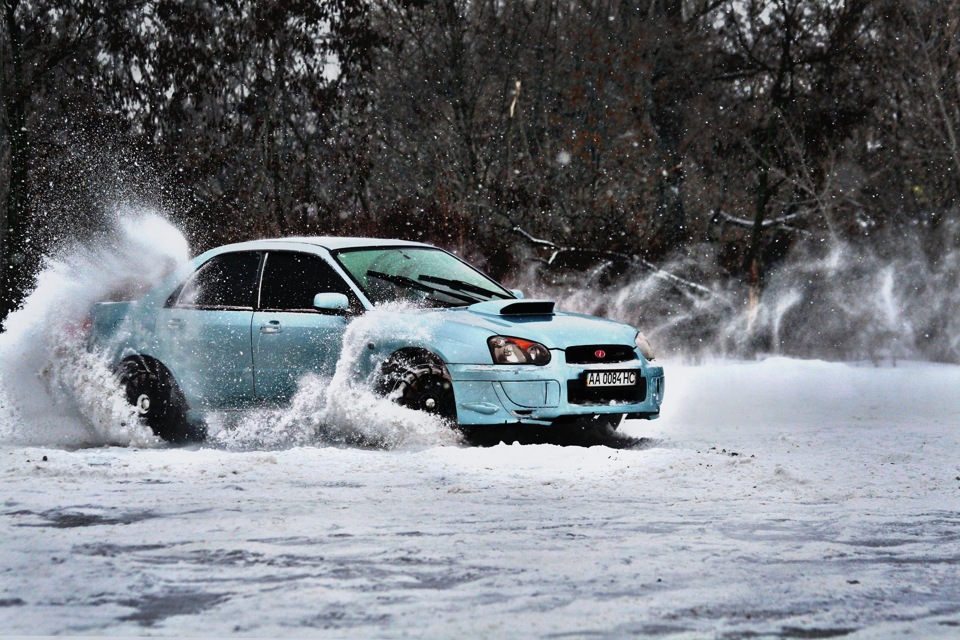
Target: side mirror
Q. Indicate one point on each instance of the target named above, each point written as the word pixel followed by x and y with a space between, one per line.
pixel 331 302
pixel 517 294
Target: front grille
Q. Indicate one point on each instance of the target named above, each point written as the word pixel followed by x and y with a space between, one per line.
pixel 597 353
pixel 579 393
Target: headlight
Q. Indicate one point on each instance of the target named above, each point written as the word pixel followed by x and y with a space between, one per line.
pixel 644 345
pixel 506 350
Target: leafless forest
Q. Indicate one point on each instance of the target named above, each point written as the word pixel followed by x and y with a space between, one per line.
pixel 757 175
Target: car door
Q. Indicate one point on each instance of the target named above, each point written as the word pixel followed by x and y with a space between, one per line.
pixel 206 331
pixel 291 337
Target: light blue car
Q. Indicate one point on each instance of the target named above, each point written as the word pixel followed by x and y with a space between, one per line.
pixel 247 321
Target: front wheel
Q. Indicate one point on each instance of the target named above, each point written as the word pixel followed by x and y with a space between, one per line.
pixel 157 400
pixel 419 383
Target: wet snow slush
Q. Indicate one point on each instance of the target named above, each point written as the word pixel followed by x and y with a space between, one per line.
pixel 777 498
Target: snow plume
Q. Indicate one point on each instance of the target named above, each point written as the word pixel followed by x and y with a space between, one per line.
pixel 671 306
pixel 342 409
pixel 843 302
pixel 835 301
pixel 54 392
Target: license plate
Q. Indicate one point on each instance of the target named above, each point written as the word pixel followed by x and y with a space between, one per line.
pixel 611 378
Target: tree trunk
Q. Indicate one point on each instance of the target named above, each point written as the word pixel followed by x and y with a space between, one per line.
pixel 668 122
pixel 753 260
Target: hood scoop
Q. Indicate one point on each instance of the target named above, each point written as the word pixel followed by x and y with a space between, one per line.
pixel 528 308
pixel 514 308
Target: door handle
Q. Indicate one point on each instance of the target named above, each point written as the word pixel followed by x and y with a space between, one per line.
pixel 175 323
pixel 273 326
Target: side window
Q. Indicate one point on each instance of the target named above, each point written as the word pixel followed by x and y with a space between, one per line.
pixel 227 281
pixel 291 280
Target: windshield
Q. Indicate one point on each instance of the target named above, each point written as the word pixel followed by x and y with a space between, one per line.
pixel 420 275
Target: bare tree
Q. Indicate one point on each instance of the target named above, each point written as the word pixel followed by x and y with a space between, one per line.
pixel 797 74
pixel 48 47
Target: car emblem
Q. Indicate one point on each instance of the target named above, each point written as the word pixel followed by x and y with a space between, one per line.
pixel 600 353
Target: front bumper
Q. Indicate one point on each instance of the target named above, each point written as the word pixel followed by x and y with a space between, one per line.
pixel 535 395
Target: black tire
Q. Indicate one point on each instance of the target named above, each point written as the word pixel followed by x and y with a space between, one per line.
pixel 154 393
pixel 421 383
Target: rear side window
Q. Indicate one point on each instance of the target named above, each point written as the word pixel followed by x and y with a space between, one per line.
pixel 227 281
pixel 291 281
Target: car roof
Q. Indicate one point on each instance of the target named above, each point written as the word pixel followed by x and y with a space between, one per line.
pixel 331 243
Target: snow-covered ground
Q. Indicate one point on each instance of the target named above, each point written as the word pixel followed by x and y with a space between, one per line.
pixel 780 498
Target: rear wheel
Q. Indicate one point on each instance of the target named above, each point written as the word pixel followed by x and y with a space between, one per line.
pixel 154 394
pixel 420 383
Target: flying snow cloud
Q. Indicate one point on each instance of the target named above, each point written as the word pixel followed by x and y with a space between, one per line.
pixel 54 391
pixel 833 302
pixel 344 409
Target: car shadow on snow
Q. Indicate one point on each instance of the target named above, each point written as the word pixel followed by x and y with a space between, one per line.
pixel 565 435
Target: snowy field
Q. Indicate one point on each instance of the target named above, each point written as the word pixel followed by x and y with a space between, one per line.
pixel 782 498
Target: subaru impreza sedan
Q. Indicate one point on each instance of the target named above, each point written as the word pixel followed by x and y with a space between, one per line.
pixel 247 321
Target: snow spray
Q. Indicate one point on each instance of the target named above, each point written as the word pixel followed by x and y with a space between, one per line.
pixel 342 409
pixel 833 301
pixel 55 392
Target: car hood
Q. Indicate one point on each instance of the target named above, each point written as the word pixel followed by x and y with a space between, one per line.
pixel 556 330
